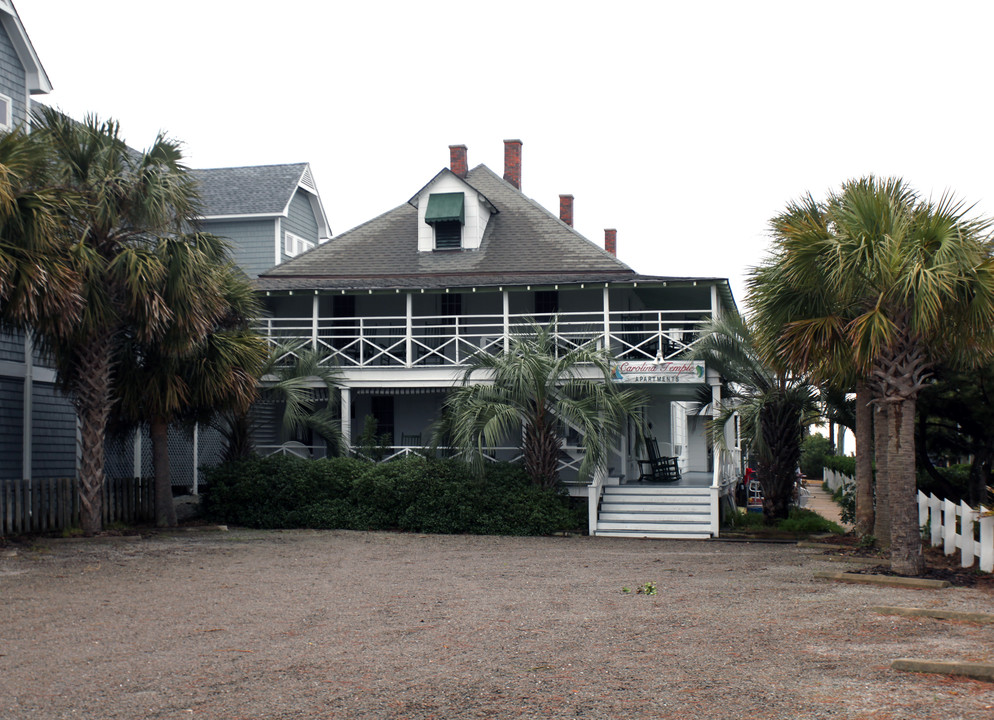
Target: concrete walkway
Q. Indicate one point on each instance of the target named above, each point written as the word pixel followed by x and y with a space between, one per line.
pixel 821 502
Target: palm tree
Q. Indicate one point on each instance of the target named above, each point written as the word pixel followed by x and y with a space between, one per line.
pixel 533 388
pixel 879 284
pixel 122 202
pixel 205 362
pixel 34 281
pixel 293 379
pixel 774 406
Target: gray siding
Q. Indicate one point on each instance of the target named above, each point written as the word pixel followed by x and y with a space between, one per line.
pixel 300 220
pixel 54 433
pixel 11 420
pixel 12 346
pixel 12 79
pixel 252 242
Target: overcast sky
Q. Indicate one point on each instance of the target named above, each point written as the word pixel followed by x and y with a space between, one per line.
pixel 685 125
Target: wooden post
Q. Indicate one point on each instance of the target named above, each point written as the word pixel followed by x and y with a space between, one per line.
pixel 345 393
pixel 967 555
pixel 948 527
pixel 507 321
pixel 409 332
pixel 987 542
pixel 607 319
pixel 314 323
pixel 196 457
pixel 935 519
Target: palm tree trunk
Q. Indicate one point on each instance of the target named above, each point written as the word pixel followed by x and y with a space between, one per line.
pixel 541 452
pixel 91 396
pixel 781 428
pixel 864 461
pixel 906 541
pixel 881 520
pixel 165 511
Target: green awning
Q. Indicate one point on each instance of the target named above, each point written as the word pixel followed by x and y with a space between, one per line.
pixel 445 207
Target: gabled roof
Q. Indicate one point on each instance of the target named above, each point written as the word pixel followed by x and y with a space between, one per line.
pixel 252 190
pixel 258 191
pixel 34 74
pixel 413 202
pixel 523 244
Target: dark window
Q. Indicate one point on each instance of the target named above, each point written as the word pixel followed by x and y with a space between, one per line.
pixel 452 304
pixel 382 407
pixel 546 302
pixel 343 332
pixel 448 235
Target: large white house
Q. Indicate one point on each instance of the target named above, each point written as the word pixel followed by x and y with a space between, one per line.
pixel 401 302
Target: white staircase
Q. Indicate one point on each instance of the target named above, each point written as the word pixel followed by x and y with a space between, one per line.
pixel 655 511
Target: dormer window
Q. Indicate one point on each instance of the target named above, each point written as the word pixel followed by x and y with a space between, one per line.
pixel 446 213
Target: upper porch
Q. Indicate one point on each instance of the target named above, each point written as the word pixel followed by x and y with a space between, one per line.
pixel 419 329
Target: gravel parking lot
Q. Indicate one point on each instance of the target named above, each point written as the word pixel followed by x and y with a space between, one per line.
pixel 306 624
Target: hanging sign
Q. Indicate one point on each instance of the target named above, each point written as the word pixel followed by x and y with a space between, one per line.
pixel 666 371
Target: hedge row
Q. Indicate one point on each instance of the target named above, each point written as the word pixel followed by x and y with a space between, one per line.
pixel 412 494
pixel 845 465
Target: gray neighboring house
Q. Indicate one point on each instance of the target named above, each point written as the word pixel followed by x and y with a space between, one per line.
pixel 37 424
pixel 270 213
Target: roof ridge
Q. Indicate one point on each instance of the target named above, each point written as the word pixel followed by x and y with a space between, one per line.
pixel 551 214
pixel 252 167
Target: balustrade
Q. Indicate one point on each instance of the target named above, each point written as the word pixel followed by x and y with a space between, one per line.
pixel 447 340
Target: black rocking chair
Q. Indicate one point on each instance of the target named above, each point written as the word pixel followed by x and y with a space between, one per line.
pixel 656 467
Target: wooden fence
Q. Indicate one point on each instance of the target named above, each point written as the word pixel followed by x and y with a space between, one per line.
pixel 959 526
pixel 52 504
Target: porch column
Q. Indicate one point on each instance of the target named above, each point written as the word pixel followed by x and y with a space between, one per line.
pixel 196 453
pixel 716 452
pixel 607 319
pixel 27 407
pixel 136 451
pixel 715 307
pixel 314 323
pixel 345 392
pixel 507 321
pixel 409 332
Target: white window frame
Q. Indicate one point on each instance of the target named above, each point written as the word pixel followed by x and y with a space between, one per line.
pixel 6 118
pixel 294 245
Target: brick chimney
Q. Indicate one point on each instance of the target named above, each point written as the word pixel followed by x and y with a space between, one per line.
pixel 458 160
pixel 512 162
pixel 611 241
pixel 566 209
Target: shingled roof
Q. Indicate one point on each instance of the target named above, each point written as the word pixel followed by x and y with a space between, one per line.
pixel 253 190
pixel 524 244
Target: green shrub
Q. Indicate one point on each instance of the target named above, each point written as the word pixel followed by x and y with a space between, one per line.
pixel 412 494
pixel 814 450
pixel 807 521
pixel 845 465
pixel 798 521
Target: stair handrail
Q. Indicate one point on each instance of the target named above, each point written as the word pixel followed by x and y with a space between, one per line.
pixel 594 491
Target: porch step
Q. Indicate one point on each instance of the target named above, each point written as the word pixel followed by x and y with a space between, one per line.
pixel 662 508
pixel 655 512
pixel 654 515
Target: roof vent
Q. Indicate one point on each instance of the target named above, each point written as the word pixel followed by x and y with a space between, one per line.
pixel 306 180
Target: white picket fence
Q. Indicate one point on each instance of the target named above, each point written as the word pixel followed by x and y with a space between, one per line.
pixel 959 526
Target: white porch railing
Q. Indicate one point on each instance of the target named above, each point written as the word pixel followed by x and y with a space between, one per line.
pixel 444 340
pixel 594 491
pixel 959 526
pixel 570 459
